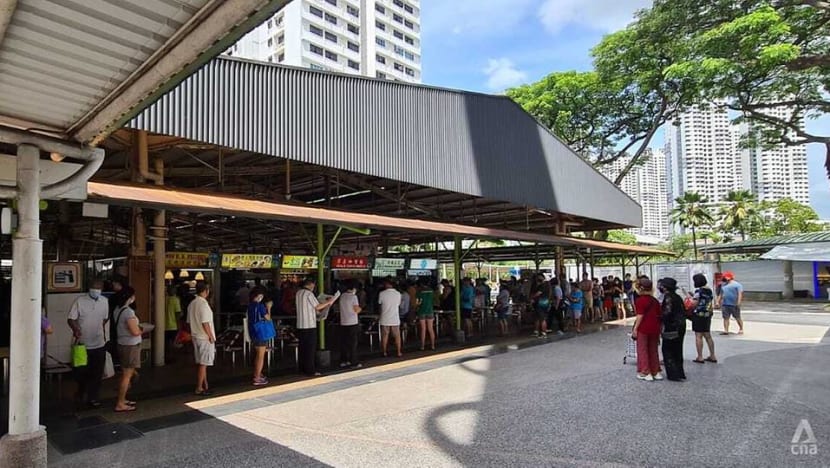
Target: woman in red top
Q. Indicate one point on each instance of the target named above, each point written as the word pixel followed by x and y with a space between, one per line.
pixel 647 332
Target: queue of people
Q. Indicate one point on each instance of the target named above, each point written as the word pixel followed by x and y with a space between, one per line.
pixel 661 321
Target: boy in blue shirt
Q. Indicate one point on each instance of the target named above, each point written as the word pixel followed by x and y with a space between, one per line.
pixel 577 303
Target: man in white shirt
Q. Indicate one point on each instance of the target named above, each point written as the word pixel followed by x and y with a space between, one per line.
pixel 88 321
pixel 390 320
pixel 200 317
pixel 308 308
pixel 349 326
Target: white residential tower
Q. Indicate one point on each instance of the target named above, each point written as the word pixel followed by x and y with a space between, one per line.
pixel 375 38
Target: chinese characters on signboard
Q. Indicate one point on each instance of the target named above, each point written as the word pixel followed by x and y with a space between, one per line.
pixel 248 261
pixel 349 263
pixel 299 262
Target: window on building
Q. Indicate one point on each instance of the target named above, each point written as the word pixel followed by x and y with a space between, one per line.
pixel 353 46
pixel 331 37
pixel 380 41
pixel 331 18
pixel 270 24
pixel 410 71
pixel 408 8
pixel 399 50
pixel 397 18
pixel 353 29
pixel 270 42
pixel 315 49
pixel 281 58
pixel 331 55
pixel 409 40
pixel 408 24
pixel 398 34
pixel 352 11
pixel 380 25
pixel 315 30
pixel 409 55
pixel 381 75
pixel 354 65
pixel 315 11
pixel 379 8
pixel 398 3
pixel 380 58
pixel 270 59
pixel 398 66
pixel 314 66
pixel 332 2
pixel 278 21
pixel 281 39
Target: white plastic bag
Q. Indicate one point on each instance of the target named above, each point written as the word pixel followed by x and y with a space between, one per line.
pixel 109 369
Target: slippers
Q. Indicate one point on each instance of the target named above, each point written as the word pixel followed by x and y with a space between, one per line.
pixel 723 333
pixel 127 410
pixel 701 361
pixel 715 361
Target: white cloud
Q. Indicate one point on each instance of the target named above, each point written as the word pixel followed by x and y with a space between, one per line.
pixel 502 74
pixel 602 15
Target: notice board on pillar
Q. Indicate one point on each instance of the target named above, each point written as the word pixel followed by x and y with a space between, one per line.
pixel 141 269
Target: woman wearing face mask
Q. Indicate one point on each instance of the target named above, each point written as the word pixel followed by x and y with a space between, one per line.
pixel 129 346
pixel 258 311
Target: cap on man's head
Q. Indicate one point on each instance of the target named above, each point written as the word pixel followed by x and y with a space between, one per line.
pixel 728 275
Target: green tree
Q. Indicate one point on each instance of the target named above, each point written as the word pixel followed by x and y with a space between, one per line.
pixel 740 213
pixel 622 237
pixel 787 216
pixel 679 244
pixel 692 213
pixel 769 60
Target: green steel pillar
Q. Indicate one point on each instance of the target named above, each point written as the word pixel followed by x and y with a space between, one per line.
pixel 321 282
pixel 457 267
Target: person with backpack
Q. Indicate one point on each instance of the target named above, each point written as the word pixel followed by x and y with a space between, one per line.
pixel 700 306
pixel 646 332
pixel 674 330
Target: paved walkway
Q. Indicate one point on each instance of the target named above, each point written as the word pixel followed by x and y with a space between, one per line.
pixel 563 403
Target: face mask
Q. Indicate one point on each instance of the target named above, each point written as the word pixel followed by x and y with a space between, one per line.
pixel 95 293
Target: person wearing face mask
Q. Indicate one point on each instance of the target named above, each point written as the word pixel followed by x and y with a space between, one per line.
pixel 88 320
pixel 673 318
pixel 129 346
pixel 258 310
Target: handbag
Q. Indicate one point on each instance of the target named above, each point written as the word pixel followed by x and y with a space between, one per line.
pixel 263 330
pixel 79 356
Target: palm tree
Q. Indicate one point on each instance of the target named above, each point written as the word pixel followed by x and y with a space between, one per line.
pixel 691 212
pixel 740 212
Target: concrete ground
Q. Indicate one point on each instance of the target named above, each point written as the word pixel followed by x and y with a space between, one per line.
pixel 559 403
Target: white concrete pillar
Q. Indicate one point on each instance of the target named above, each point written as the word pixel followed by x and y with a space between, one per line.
pixel 25 444
pixel 27 270
pixel 789 292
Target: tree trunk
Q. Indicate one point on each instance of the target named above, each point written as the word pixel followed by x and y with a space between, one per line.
pixel 694 241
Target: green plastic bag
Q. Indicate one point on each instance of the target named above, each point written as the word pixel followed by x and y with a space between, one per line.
pixel 78 355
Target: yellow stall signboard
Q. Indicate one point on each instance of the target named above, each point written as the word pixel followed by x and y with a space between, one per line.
pixel 186 260
pixel 299 262
pixel 248 261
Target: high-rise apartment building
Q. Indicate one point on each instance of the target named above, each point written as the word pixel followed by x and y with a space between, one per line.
pixel 647 184
pixel 705 155
pixel 375 38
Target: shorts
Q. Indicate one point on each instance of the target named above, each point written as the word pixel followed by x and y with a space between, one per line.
pixel 608 303
pixel 426 316
pixel 204 352
pixel 730 310
pixel 589 301
pixel 503 315
pixel 577 313
pixel 259 343
pixel 466 314
pixel 542 313
pixel 618 300
pixel 701 324
pixel 130 356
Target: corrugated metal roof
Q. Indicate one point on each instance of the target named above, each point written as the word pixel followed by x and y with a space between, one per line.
pixel 768 243
pixel 462 142
pixel 203 202
pixel 63 60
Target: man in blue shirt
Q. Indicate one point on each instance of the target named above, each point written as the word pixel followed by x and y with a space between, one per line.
pixel 468 294
pixel 730 298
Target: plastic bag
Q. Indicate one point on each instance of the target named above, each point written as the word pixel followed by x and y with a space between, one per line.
pixel 109 369
pixel 79 356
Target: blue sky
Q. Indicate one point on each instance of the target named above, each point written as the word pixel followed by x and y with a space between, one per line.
pixel 490 45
